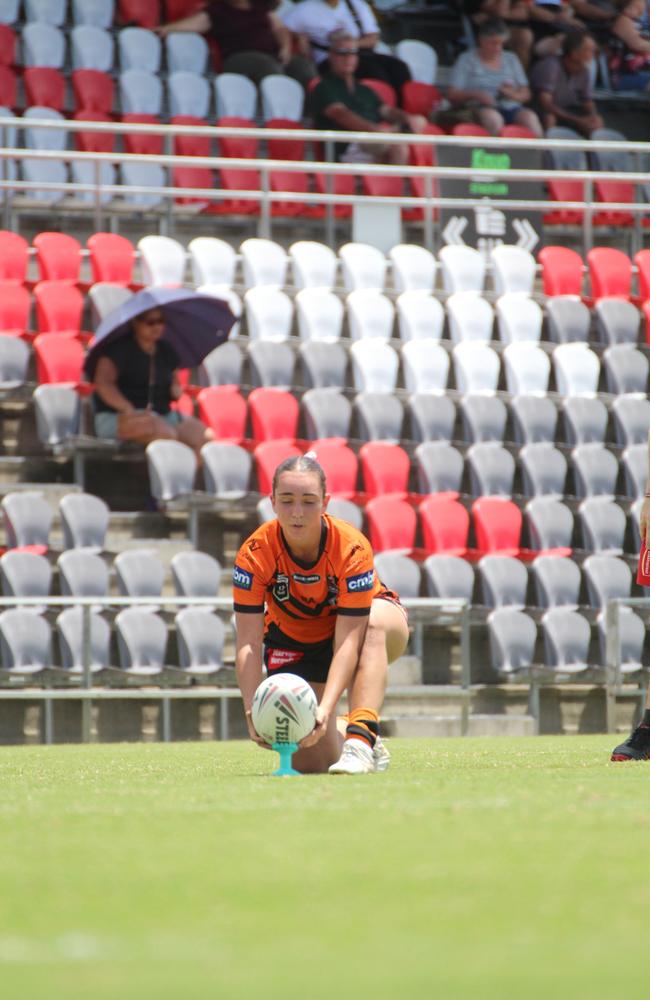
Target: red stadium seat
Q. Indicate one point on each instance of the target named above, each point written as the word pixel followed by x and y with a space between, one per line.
pixel 274 414
pixel 287 180
pixel 111 258
pixel 58 359
pixel 223 409
pixel 392 524
pixel 420 98
pixel 58 256
pixel 564 190
pixel 642 261
pixel 516 132
pixel 268 456
pixel 141 143
pixel 385 469
pixel 610 272
pixel 44 86
pixel 423 155
pixel 497 525
pixel 8 87
pixel 614 191
pixel 341 468
pixel 144 13
pixel 445 526
pixel 176 9
pixel 382 186
pixel 191 145
pixel 94 142
pixel 93 90
pixel 469 128
pixel 59 307
pixel 14 256
pixel 7 46
pixel 383 90
pixel 15 309
pixel 340 184
pixel 561 271
pixel 236 179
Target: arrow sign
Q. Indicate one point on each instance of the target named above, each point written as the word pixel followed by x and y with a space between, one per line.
pixel 527 236
pixel 452 233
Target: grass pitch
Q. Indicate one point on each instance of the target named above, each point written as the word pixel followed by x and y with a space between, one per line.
pixel 473 868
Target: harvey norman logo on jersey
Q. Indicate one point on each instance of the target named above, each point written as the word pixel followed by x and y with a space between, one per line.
pixel 362 581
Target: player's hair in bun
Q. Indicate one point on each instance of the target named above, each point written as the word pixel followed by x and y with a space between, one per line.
pixel 301 463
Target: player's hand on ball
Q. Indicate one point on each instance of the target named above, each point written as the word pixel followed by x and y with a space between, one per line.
pixel 255 736
pixel 319 730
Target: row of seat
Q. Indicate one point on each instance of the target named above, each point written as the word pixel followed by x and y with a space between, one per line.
pixel 103 13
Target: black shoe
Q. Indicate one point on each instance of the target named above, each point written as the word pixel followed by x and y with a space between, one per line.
pixel 636 746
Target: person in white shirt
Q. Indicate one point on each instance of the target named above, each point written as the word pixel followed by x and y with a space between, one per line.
pixel 314 21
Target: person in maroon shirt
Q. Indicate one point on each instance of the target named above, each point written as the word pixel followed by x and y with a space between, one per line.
pixel 251 38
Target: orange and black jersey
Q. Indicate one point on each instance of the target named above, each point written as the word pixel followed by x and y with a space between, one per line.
pixel 301 602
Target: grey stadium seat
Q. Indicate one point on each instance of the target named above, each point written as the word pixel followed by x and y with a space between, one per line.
pixel 534 419
pixel 504 581
pixel 271 364
pixel 556 580
pixel 327 413
pixel 141 642
pixel 226 469
pixel 379 416
pixel 172 469
pixel 70 631
pixel 544 470
pixel 584 420
pixel 57 409
pixel 200 635
pixel 14 358
pixel 568 320
pixel 626 370
pixel 607 577
pixel 634 462
pixel 603 525
pixel 617 321
pixel 139 573
pixel 431 417
pixel 324 364
pixel 595 470
pixel 448 577
pixel 513 635
pixel 84 520
pixel 195 574
pixel 82 573
pixel 346 510
pixel 222 366
pixel 398 572
pixel 439 467
pixel 550 524
pixel 631 419
pixel 27 518
pixel 104 297
pixel 566 640
pixel 484 418
pixel 632 640
pixel 491 470
pixel 25 574
pixel 25 642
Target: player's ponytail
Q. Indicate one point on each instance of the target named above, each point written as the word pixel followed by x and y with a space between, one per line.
pixel 301 463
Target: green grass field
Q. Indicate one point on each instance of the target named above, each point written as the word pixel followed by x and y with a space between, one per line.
pixel 473 868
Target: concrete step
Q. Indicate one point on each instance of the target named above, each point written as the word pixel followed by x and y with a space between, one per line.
pixel 414 726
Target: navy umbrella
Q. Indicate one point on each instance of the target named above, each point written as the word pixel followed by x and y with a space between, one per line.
pixel 194 323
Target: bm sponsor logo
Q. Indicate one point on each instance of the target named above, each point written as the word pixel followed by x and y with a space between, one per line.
pixel 241 578
pixel 362 581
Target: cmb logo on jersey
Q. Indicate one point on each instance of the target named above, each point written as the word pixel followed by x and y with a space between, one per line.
pixel 362 581
pixel 241 578
pixel 281 587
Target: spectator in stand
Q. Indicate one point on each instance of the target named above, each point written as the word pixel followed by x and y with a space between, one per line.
pixel 629 60
pixel 252 39
pixel 516 14
pixel 562 86
pixel 551 20
pixel 339 101
pixel 597 16
pixel 314 21
pixel 490 84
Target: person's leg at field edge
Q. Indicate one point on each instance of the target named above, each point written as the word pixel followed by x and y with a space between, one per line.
pixel 385 640
pixel 637 745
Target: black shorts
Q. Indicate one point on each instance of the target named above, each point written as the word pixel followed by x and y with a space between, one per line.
pixel 311 664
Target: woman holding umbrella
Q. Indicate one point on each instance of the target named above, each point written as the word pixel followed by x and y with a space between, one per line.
pixel 135 358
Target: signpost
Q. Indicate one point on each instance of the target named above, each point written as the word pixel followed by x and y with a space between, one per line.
pixel 484 226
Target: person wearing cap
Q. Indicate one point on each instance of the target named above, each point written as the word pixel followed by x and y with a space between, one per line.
pixel 341 103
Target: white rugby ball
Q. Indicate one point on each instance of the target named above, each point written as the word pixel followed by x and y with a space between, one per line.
pixel 284 709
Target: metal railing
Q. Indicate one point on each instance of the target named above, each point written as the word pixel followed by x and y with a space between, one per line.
pixel 422 611
pixel 430 203
pixel 636 688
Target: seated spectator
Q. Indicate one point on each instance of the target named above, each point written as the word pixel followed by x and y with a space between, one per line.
pixel 516 14
pixel 252 39
pixel 551 20
pixel 136 381
pixel 314 21
pixel 341 102
pixel 629 60
pixel 562 86
pixel 490 84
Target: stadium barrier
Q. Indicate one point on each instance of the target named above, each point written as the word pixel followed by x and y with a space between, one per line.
pixel 81 687
pixel 430 204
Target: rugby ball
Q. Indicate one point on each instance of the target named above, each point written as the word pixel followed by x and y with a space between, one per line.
pixel 284 709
